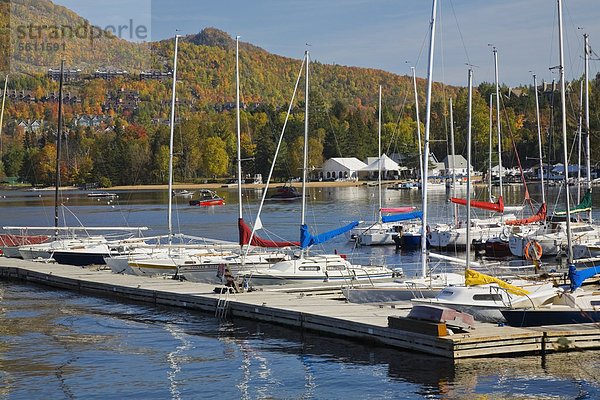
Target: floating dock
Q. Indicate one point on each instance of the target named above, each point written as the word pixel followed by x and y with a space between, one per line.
pixel 324 312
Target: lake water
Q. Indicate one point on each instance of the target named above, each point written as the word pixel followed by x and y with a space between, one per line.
pixel 58 344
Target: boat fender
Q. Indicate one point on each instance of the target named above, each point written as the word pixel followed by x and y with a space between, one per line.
pixel 536 250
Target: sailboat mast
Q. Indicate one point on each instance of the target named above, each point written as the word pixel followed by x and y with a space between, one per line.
pixel 379 152
pixel 587 121
pixel 58 140
pixel 579 127
pixel 2 113
pixel 171 140
pixel 426 149
pixel 237 114
pixel 539 131
pixel 490 150
pixel 564 131
pixel 305 157
pixel 498 119
pixel 468 247
pixel 455 208
pixel 418 125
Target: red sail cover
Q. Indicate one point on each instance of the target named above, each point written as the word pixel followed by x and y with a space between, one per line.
pixel 540 216
pixel 484 205
pixel 246 232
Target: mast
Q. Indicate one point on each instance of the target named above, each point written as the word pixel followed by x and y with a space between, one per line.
pixel 579 143
pixel 379 152
pixel 237 113
pixel 564 131
pixel 418 125
pixel 453 161
pixel 468 247
pixel 58 138
pixel 171 139
pixel 2 113
pixel 305 156
pixel 587 121
pixel 551 134
pixel 426 149
pixel 539 131
pixel 490 158
pixel 498 120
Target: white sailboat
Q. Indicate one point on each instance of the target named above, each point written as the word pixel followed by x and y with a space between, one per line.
pixel 68 239
pixel 572 304
pixel 382 231
pixel 483 296
pixel 332 269
pixel 196 262
pixel 430 280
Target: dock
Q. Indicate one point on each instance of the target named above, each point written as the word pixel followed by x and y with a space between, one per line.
pixel 323 312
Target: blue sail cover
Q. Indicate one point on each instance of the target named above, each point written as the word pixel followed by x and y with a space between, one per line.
pixel 577 277
pixel 402 217
pixel 306 239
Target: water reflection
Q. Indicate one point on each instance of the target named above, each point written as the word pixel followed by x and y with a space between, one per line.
pixel 58 344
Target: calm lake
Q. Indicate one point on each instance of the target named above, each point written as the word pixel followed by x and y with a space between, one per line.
pixel 59 344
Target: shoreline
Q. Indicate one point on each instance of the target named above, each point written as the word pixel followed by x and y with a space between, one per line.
pixel 230 186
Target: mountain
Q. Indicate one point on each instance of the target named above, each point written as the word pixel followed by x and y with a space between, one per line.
pixel 42 33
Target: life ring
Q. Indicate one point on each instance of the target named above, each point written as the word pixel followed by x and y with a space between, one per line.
pixel 504 233
pixel 537 250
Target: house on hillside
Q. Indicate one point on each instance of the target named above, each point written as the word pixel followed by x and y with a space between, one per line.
pixel 460 165
pixel 341 168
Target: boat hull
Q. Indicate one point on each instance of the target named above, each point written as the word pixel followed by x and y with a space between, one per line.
pixel 207 203
pixel 79 258
pixel 533 317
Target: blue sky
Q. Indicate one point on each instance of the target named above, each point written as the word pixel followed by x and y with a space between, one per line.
pixel 383 34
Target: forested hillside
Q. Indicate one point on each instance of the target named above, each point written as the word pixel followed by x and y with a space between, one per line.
pixel 129 142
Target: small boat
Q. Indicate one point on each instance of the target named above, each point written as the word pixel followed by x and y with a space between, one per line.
pixel 9 243
pixel 286 192
pixel 102 194
pixel 208 198
pixel 183 193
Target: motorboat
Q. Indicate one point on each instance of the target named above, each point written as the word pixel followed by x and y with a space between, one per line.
pixel 317 270
pixel 489 295
pixel 286 192
pixel 207 198
pixel 572 304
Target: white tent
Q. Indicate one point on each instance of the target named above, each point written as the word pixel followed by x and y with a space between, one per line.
pixel 389 168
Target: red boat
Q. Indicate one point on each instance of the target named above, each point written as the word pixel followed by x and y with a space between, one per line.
pixel 208 198
pixel 9 244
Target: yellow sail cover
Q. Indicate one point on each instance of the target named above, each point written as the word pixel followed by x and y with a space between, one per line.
pixel 476 278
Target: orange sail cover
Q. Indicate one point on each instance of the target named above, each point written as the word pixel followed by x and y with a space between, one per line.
pixel 245 234
pixel 540 216
pixel 484 205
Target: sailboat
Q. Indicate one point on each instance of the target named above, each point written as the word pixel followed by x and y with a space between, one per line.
pixel 328 269
pixel 205 262
pixel 481 295
pixel 70 242
pixel 453 236
pixel 430 281
pixel 572 304
pixel 500 245
pixel 383 230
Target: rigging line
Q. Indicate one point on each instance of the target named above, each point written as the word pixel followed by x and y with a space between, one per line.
pixel 444 104
pixel 527 197
pixel 459 32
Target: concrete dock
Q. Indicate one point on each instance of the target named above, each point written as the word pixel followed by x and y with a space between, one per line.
pixel 324 312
